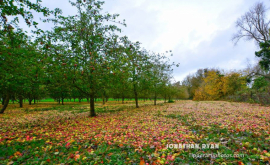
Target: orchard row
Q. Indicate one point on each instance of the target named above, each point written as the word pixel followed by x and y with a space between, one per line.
pixel 83 56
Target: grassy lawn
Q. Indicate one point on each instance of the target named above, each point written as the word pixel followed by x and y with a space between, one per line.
pixel 47 133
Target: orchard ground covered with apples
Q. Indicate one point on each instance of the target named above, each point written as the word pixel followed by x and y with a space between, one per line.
pixel 123 134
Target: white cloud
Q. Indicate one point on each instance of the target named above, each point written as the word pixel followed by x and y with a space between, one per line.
pixel 197 31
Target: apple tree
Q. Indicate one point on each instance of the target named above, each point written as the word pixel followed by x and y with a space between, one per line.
pixel 88 54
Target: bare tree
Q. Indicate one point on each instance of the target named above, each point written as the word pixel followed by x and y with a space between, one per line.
pixel 253 25
pixel 255 70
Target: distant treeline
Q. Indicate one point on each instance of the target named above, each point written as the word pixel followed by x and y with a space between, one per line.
pixel 248 85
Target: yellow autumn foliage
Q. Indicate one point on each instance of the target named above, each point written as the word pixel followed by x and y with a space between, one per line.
pixel 215 86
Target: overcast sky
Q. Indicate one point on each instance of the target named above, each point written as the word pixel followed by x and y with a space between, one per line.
pixel 197 31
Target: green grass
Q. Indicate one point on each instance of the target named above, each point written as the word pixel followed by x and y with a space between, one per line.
pixel 34 153
pixel 26 101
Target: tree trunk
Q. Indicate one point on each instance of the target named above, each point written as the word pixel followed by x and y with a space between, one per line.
pixel 104 97
pixel 21 101
pixel 5 104
pixel 136 96
pixel 3 101
pixel 62 101
pixel 92 106
pixel 155 99
pixel 123 100
pixel 30 101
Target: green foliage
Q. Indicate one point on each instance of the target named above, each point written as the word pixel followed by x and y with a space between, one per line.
pixel 21 8
pixel 20 60
pixel 264 55
pixel 81 57
pixel 260 82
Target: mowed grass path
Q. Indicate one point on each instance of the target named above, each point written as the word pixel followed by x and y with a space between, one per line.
pixel 121 134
